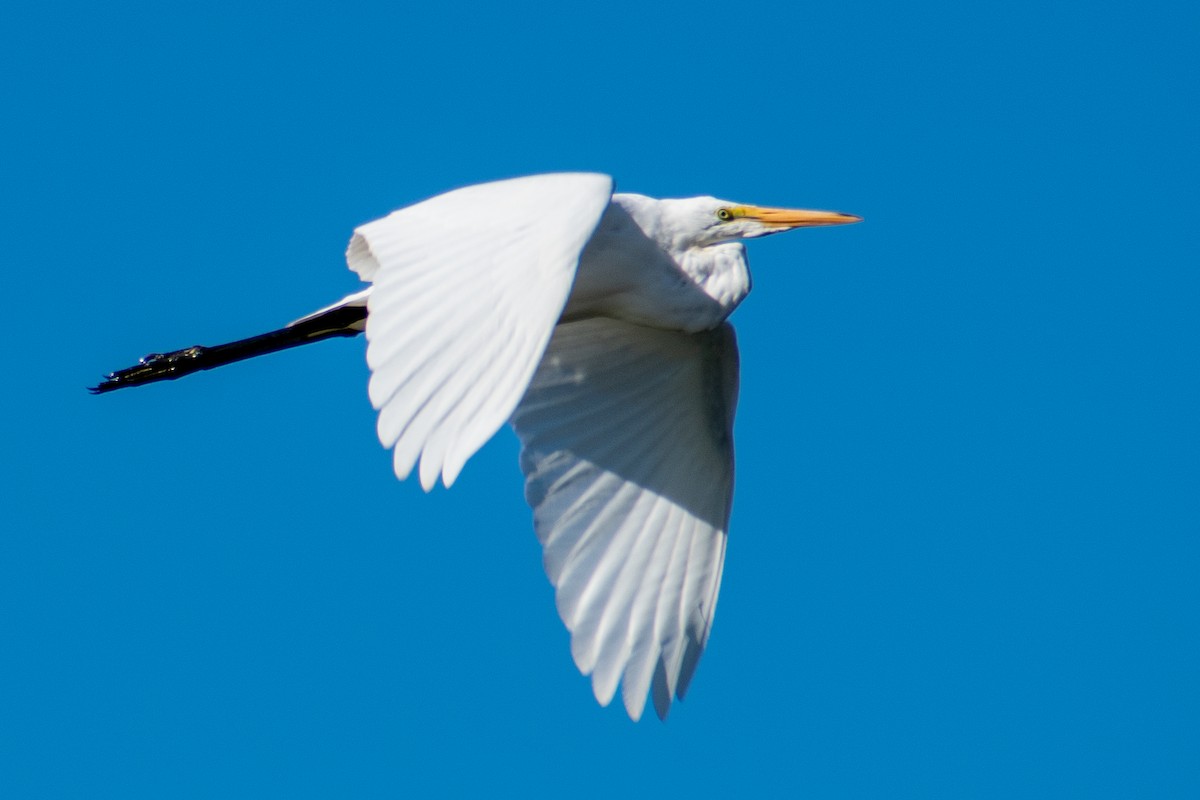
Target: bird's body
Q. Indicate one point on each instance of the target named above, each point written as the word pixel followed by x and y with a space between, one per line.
pixel 595 323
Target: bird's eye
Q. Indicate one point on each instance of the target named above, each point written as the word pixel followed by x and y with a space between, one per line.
pixel 724 214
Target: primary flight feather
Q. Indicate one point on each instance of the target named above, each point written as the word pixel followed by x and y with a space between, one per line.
pixel 595 323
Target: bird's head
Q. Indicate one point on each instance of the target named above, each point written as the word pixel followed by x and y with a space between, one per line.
pixel 702 221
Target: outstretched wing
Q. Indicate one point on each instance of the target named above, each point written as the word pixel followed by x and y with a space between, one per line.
pixel 627 450
pixel 468 288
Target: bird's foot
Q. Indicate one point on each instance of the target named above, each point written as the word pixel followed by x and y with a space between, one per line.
pixel 153 367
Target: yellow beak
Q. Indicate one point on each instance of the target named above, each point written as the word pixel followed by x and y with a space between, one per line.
pixel 797 217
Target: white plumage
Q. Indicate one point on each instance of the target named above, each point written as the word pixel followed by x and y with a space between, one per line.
pixel 626 435
pixel 596 323
pixel 626 421
pixel 467 289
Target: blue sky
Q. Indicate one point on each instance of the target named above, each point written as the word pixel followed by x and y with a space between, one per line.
pixel 964 548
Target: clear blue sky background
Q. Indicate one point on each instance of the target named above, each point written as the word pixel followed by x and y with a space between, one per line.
pixel 964 549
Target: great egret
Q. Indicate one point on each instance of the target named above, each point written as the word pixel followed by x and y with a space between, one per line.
pixel 595 322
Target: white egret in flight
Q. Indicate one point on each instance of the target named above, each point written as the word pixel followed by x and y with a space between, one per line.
pixel 595 323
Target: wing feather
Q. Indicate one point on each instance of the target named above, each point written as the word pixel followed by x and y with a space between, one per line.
pixel 626 436
pixel 618 631
pixel 468 287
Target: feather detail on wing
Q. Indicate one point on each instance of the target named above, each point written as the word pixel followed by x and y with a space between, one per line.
pixel 627 450
pixel 468 286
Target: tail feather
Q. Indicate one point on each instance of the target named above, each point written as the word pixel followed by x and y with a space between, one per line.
pixel 338 320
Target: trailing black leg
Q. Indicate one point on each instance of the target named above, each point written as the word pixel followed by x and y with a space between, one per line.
pixel 342 321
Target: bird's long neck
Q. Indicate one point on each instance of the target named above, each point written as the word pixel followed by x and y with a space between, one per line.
pixel 721 270
pixel 632 270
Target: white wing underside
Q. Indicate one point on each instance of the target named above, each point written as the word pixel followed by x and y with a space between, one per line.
pixel 628 456
pixel 625 430
pixel 468 286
